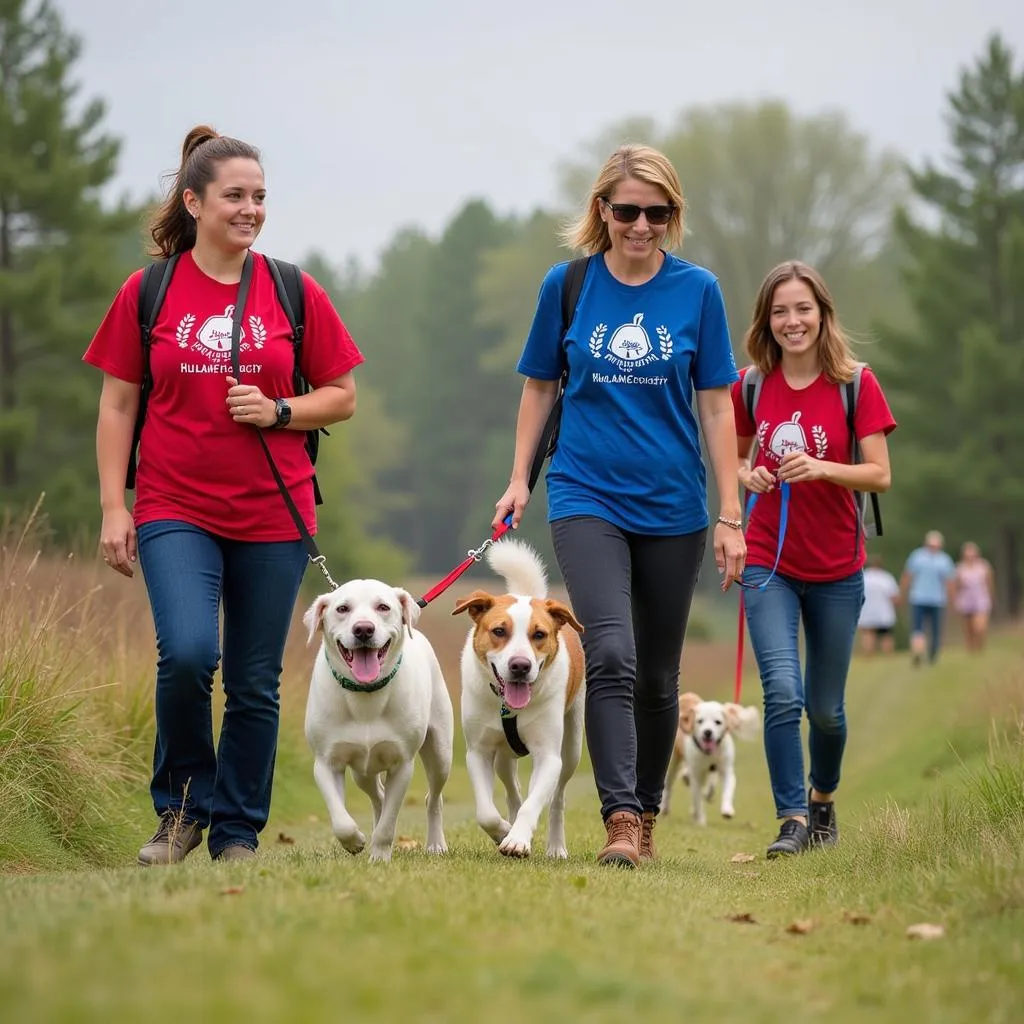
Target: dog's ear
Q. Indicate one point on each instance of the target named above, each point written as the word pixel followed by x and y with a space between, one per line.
pixel 688 701
pixel 686 719
pixel 562 615
pixel 743 722
pixel 476 604
pixel 314 616
pixel 410 608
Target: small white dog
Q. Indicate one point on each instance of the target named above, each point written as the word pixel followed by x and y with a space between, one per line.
pixel 704 749
pixel 522 670
pixel 377 699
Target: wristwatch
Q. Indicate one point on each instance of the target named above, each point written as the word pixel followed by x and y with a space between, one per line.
pixel 284 412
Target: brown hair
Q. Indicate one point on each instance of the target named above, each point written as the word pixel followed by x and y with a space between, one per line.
pixel 641 163
pixel 837 362
pixel 172 228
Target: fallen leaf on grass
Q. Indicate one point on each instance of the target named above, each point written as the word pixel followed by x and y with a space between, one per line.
pixel 856 918
pixel 742 919
pixel 232 890
pixel 282 838
pixel 742 858
pixel 801 927
pixel 926 931
pixel 406 843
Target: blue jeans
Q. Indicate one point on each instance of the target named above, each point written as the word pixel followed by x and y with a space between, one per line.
pixel 927 618
pixel 189 574
pixel 829 612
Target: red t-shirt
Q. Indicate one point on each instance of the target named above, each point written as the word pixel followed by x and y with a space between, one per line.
pixel 821 535
pixel 196 464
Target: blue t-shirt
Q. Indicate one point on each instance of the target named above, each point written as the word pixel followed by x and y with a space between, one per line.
pixel 929 572
pixel 628 447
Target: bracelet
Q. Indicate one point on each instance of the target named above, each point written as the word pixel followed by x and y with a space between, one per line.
pixel 736 524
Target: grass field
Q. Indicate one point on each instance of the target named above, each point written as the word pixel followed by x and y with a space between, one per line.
pixel 932 811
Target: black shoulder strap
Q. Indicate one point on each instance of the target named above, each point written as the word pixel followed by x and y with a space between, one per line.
pixel 291 294
pixel 152 290
pixel 851 395
pixel 572 286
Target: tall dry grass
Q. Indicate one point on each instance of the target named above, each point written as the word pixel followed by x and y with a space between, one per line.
pixel 76 663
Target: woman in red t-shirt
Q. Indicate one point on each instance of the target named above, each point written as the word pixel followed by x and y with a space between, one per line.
pixel 209 525
pixel 815 577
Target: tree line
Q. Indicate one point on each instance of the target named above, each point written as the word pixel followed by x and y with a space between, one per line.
pixel 926 264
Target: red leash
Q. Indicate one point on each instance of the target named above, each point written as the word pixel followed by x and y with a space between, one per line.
pixel 471 556
pixel 739 655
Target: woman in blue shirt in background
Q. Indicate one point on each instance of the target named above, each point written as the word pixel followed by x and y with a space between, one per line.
pixel 627 494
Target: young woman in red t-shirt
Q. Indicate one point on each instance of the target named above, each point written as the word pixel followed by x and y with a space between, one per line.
pixel 209 526
pixel 796 342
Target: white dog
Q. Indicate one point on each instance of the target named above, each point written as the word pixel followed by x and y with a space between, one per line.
pixel 522 670
pixel 704 749
pixel 376 699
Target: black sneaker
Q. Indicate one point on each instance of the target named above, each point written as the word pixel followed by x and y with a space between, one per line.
pixel 793 838
pixel 824 828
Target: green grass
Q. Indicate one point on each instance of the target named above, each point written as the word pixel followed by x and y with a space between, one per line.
pixel 932 812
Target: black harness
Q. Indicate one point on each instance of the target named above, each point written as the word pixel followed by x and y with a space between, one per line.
pixel 510 726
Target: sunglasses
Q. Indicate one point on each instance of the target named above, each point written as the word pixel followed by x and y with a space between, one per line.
pixel 626 213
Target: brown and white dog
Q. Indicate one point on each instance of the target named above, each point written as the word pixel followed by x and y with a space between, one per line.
pixel 522 661
pixel 704 749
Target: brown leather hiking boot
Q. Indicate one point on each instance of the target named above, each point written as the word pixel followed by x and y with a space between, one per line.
pixel 623 846
pixel 172 842
pixel 648 851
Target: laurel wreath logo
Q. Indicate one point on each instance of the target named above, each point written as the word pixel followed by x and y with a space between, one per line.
pixel 185 325
pixel 762 434
pixel 597 340
pixel 665 338
pixel 820 442
pixel 259 332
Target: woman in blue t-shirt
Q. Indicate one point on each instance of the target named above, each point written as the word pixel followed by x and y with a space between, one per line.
pixel 627 495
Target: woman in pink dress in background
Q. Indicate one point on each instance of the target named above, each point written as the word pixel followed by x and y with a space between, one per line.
pixel 972 594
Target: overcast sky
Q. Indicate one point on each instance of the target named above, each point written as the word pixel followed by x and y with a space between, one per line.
pixel 376 114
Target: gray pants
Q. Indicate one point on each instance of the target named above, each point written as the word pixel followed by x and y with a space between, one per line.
pixel 632 593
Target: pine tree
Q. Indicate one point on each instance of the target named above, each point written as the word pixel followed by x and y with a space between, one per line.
pixel 60 263
pixel 954 379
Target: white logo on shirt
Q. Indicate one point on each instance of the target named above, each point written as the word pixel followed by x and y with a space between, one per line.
pixel 790 437
pixel 630 347
pixel 215 334
pixel 213 339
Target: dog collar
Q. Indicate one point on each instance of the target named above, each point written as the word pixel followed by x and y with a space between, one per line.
pixel 351 684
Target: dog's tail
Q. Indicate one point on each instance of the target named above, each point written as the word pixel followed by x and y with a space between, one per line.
pixel 520 566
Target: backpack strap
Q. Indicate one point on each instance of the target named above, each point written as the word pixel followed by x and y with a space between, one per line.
pixel 572 286
pixel 291 294
pixel 850 391
pixel 152 290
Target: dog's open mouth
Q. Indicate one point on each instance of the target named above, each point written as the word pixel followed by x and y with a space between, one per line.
pixel 708 745
pixel 364 662
pixel 515 693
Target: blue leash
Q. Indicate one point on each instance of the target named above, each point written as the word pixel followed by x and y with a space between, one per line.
pixel 783 523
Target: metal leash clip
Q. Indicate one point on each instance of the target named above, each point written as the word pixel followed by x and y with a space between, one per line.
pixel 477 553
pixel 321 564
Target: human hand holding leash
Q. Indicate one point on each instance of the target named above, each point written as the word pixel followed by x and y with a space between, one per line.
pixel 513 502
pixel 758 480
pixel 117 540
pixel 247 404
pixel 798 466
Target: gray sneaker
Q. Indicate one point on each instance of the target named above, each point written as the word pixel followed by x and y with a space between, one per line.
pixel 172 842
pixel 236 851
pixel 822 824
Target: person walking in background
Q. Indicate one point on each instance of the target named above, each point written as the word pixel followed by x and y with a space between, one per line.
pixel 926 584
pixel 209 525
pixel 973 590
pixel 626 488
pixel 811 574
pixel 878 616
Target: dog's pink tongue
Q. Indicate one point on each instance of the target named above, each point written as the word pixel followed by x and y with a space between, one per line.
pixel 365 665
pixel 517 695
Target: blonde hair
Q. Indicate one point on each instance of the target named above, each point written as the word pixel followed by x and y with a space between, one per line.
pixel 834 353
pixel 589 232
